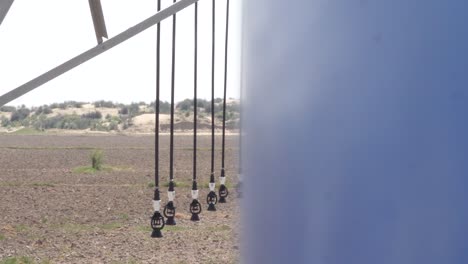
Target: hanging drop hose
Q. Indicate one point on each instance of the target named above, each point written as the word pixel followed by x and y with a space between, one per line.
pixel 212 198
pixel 223 190
pixel 157 221
pixel 195 206
pixel 169 209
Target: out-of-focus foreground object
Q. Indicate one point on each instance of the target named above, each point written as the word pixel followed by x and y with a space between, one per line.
pixel 356 146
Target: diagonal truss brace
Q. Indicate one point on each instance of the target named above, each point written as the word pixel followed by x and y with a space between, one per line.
pixel 4 7
pixel 93 52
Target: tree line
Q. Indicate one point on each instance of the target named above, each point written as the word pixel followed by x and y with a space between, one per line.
pixel 42 117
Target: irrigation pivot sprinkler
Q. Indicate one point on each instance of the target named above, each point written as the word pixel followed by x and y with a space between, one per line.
pixel 170 209
pixel 212 198
pixel 223 190
pixel 195 206
pixel 157 221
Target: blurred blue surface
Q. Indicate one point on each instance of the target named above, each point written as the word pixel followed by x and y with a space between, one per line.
pixel 357 132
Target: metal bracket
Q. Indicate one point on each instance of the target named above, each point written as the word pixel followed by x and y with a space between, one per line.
pixel 98 20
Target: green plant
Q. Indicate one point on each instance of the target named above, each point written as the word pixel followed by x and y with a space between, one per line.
pixel 13 260
pixel 21 228
pixel 96 159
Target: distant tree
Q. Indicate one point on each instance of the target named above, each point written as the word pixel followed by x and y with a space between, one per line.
pixel 164 107
pixel 123 111
pixel 102 103
pixel 7 109
pixel 202 103
pixel 73 104
pixel 38 110
pixel 54 106
pixel 20 114
pixel 46 110
pixel 185 105
pixel 131 110
pixel 92 115
pixel 43 110
pixel 233 107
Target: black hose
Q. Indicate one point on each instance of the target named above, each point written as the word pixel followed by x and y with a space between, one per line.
pixel 195 98
pixel 171 147
pixel 156 110
pixel 225 86
pixel 212 180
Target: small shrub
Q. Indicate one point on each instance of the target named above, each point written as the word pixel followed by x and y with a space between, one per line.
pixel 17 260
pixel 96 159
pixel 5 121
pixel 99 126
pixel 113 125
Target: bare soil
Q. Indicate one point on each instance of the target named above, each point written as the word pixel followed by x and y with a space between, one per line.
pixel 49 213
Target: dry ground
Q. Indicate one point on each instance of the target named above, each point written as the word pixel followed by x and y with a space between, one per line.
pixel 49 213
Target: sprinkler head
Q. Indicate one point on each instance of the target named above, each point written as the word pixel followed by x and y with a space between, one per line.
pixel 169 213
pixel 195 209
pixel 171 221
pixel 223 193
pixel 195 218
pixel 156 233
pixel 211 207
pixel 157 223
pixel 212 200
